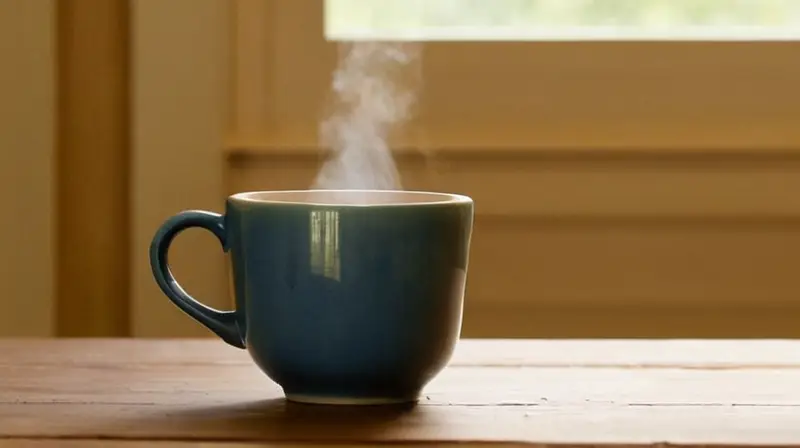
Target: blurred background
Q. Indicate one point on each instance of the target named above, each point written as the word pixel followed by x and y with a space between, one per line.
pixel 635 165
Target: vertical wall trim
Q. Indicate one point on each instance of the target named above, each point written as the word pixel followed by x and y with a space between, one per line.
pixel 93 235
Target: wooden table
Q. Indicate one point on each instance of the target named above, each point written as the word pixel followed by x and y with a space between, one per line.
pixel 136 393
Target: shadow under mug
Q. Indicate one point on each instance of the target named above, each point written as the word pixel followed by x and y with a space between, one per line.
pixel 342 296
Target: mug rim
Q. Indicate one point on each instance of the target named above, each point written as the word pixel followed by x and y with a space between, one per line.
pixel 294 197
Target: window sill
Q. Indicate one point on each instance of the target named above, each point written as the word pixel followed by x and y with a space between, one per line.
pixel 308 148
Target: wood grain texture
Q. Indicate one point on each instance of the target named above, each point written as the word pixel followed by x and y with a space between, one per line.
pixel 61 443
pixel 580 393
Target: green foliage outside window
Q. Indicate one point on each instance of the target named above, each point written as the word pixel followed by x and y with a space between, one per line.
pixel 554 17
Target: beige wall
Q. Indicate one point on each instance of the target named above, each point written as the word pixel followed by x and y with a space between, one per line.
pixel 621 189
pixel 27 129
pixel 576 256
pixel 180 97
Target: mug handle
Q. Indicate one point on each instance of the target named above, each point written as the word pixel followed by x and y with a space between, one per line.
pixel 222 323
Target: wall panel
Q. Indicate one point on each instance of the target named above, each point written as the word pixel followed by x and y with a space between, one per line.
pixel 621 188
pixel 543 249
pixel 27 167
pixel 180 85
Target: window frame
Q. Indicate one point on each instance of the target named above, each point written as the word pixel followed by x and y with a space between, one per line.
pixel 625 95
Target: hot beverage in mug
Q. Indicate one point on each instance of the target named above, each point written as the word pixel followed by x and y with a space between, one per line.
pixel 342 296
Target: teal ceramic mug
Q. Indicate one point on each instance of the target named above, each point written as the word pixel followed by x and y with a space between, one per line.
pixel 342 296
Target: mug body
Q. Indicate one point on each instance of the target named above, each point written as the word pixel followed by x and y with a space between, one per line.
pixel 349 296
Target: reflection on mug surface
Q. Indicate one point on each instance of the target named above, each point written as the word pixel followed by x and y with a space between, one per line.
pixel 325 259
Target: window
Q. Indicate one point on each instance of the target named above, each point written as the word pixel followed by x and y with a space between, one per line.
pixel 569 92
pixel 562 19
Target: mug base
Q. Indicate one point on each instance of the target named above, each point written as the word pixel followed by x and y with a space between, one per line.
pixel 349 401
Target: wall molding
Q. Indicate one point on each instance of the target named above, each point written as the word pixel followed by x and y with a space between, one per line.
pixel 239 149
pixel 93 169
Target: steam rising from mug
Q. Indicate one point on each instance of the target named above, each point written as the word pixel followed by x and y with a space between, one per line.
pixel 373 89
